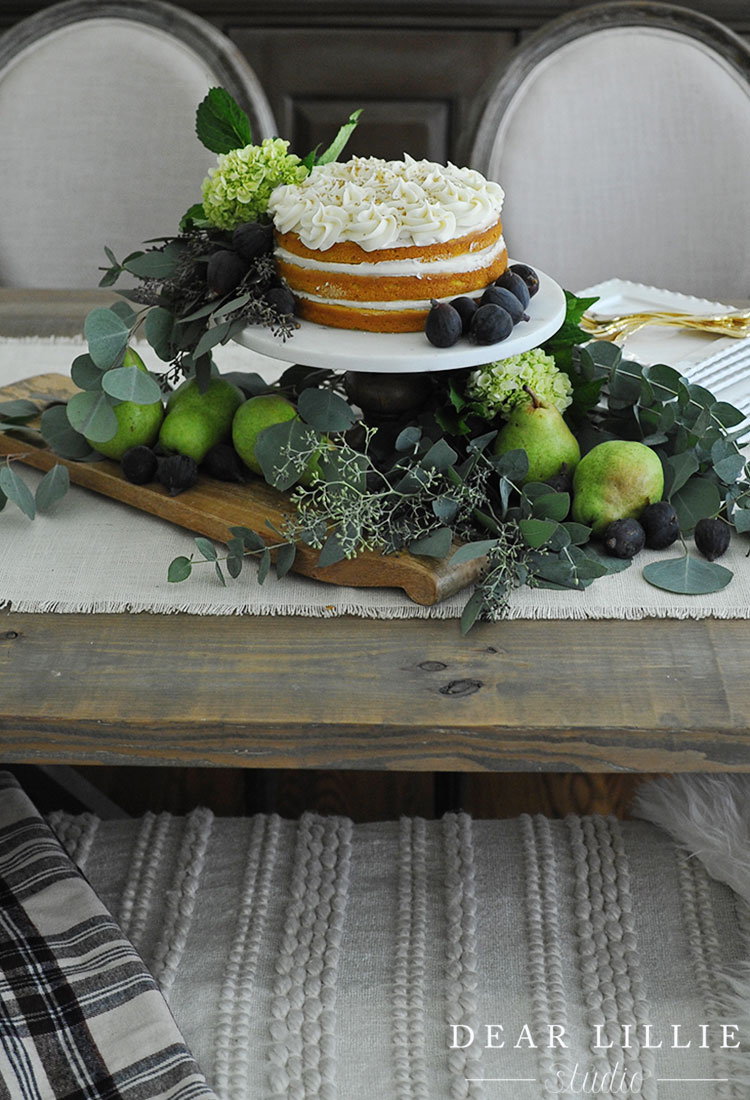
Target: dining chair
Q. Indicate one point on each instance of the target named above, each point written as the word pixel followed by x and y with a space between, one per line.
pixel 97 131
pixel 621 135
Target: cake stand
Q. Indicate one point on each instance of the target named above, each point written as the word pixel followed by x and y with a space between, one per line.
pixel 315 345
pixel 388 374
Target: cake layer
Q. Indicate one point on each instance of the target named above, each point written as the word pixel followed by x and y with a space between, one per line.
pixel 367 320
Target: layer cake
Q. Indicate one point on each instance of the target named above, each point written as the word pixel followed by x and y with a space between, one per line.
pixel 366 244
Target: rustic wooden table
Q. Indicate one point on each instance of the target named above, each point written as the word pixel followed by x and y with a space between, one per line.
pixel 410 695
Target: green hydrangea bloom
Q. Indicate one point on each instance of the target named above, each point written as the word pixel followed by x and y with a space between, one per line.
pixel 238 188
pixel 498 387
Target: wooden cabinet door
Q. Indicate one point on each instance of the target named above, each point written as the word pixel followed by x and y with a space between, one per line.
pixel 418 89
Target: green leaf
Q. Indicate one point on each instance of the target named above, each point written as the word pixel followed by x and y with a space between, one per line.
pixel 741 520
pixel 107 336
pixel 552 506
pixel 19 409
pixel 325 410
pixel 53 486
pixel 155 264
pixel 207 548
pixel 159 328
pixel 62 437
pixel 278 447
pixel 285 556
pixel 699 497
pixel 179 570
pixel 17 490
pixel 250 539
pixel 678 470
pixel 264 565
pixel 211 338
pixel 445 509
pixel 537 531
pixel 131 384
pixel 91 413
pixel 85 373
pixel 579 533
pixel 234 565
pixel 472 610
pixel 664 381
pixel 338 143
pixel 472 550
pixel 331 551
pixel 221 125
pixel 435 545
pixel 194 217
pixel 219 574
pixel 729 469
pixel 727 415
pixel 440 457
pixel 687 575
pixel 408 438
pixel 513 465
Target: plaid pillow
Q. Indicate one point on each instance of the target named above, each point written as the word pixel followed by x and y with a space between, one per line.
pixel 81 1018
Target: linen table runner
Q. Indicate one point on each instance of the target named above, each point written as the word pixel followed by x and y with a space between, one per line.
pixel 95 555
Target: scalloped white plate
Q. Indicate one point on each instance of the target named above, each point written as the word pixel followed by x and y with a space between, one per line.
pixel 409 352
pixel 679 348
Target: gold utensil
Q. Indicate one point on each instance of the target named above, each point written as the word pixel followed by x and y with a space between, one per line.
pixel 616 328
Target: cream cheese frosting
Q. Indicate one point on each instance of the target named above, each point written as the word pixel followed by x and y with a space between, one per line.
pixel 385 204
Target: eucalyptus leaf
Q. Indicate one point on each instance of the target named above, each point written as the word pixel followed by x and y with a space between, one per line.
pixel 156 264
pixel 439 456
pixel 232 305
pixel 698 498
pixel 472 550
pixel 211 338
pixel 687 575
pixel 435 545
pixel 678 469
pixel 472 610
pixel 125 312
pixel 282 451
pixel 131 384
pixel 61 436
pixel 159 328
pixel 408 438
pixel 729 469
pixel 664 381
pixel 727 415
pixel 16 490
pixel 251 540
pixel 18 409
pixel 53 487
pixel 741 520
pixel 234 565
pixel 513 465
pixel 536 532
pixel 445 509
pixel 207 548
pixel 325 410
pixel 86 374
pixel 91 413
pixel 179 570
pixel 219 574
pixel 331 552
pixel 107 336
pixel 552 506
pixel 285 556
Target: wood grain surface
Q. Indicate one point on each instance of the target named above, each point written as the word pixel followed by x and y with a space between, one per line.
pixel 211 507
pixel 410 695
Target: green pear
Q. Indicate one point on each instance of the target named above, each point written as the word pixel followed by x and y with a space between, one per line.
pixel 615 480
pixel 258 413
pixel 195 421
pixel 136 424
pixel 540 431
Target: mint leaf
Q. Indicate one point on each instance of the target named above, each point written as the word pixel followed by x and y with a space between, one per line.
pixel 338 143
pixel 221 125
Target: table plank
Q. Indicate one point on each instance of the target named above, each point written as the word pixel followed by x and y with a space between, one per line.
pixel 411 695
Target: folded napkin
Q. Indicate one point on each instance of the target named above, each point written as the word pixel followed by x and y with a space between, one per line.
pixel 80 1015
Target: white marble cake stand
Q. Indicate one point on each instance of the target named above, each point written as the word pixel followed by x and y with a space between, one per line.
pixel 315 345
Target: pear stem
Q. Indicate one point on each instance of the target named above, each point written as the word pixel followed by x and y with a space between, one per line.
pixel 534 399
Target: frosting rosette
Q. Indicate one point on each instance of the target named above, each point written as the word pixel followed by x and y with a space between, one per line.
pixel 379 204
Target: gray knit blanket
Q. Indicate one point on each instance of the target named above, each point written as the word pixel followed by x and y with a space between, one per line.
pixel 433 960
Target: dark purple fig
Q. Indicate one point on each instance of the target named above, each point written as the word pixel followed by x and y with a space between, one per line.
pixel 528 275
pixel 466 308
pixel 138 465
pixel 515 284
pixel 624 538
pixel 659 521
pixel 712 537
pixel 252 239
pixel 177 473
pixel 501 296
pixel 490 324
pixel 281 299
pixel 225 271
pixel 443 326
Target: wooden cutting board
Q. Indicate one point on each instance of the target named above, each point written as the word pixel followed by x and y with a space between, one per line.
pixel 212 507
